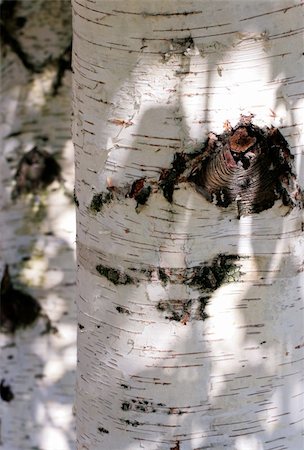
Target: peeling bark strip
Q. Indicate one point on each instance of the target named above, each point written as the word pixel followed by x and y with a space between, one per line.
pixel 246 164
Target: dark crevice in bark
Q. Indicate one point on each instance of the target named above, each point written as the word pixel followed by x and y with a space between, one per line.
pixel 249 165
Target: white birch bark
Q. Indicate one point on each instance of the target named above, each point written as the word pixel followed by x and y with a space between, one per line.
pixel 37 231
pixel 152 79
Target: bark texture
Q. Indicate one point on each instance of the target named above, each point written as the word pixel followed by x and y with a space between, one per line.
pixel 189 315
pixel 37 335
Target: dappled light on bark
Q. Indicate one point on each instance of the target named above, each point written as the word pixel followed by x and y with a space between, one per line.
pixel 188 310
pixel 38 330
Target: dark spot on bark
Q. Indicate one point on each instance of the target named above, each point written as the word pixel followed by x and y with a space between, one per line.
pixel 183 44
pixel 39 376
pixel 18 309
pixel 141 405
pixel 122 310
pixel 125 406
pixel 140 191
pixel 179 46
pixel 202 303
pixel 143 195
pixel 6 392
pixel 99 200
pixel 103 430
pixel 169 177
pixel 133 423
pixel 75 198
pixel 136 187
pixel 113 275
pixel 20 21
pixel 81 327
pixel 36 170
pixel 163 277
pixel 223 269
pixel 125 386
pixel 10 357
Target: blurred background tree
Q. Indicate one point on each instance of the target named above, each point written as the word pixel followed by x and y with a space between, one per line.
pixel 37 261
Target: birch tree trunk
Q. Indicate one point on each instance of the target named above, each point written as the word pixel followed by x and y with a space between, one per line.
pixel 189 313
pixel 37 231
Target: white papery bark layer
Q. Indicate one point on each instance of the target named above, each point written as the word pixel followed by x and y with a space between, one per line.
pixel 151 80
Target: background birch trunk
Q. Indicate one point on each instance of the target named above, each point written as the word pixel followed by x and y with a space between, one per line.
pixel 37 232
pixel 171 354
